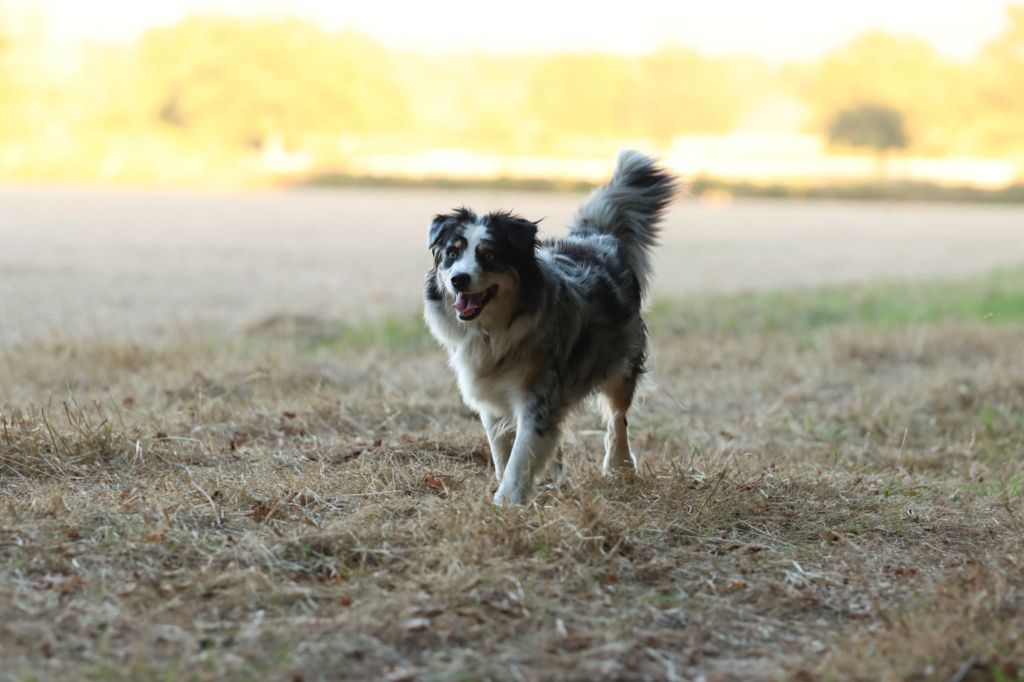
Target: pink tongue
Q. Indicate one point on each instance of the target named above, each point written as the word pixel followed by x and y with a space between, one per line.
pixel 468 303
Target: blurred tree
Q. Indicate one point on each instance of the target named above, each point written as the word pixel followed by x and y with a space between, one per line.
pixel 248 82
pixel 999 73
pixel 869 125
pixel 905 74
pixel 470 101
pixel 582 95
pixel 680 91
pixel 873 126
pixel 655 97
pixel 27 91
pixel 8 94
pixel 210 85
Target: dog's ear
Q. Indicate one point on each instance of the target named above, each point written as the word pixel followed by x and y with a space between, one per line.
pixel 444 223
pixel 439 228
pixel 519 236
pixel 520 232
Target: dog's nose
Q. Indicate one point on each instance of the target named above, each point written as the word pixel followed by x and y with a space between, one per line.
pixel 460 282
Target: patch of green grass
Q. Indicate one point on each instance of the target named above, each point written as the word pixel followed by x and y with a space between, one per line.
pixel 311 333
pixel 392 332
pixel 994 298
pixel 397 333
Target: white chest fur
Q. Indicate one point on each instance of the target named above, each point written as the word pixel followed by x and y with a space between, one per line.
pixel 486 385
pixel 491 367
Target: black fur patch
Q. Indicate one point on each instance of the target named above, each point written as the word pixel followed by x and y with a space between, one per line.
pixel 606 295
pixel 514 240
pixel 638 364
pixel 430 290
pixel 518 232
pixel 581 254
pixel 648 176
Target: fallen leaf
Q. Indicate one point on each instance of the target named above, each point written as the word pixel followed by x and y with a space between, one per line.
pixel 260 511
pixel 435 483
pixel 239 439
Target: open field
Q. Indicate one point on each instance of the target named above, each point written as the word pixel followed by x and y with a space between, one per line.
pixel 237 454
pixel 142 265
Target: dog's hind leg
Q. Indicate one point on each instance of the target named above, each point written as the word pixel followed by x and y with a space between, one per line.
pixel 618 396
pixel 500 436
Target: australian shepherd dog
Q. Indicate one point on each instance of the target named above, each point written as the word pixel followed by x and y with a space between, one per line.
pixel 533 327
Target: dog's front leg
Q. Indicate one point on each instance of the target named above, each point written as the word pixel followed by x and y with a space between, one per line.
pixel 536 438
pixel 500 437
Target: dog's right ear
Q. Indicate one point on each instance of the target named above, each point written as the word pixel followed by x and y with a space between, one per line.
pixel 438 229
pixel 445 223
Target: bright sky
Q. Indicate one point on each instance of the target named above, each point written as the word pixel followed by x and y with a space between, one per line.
pixel 782 29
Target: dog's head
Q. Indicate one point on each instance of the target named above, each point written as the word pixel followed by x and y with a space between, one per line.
pixel 484 266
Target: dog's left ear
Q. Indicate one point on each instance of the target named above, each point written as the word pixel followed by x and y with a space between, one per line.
pixel 520 235
pixel 520 232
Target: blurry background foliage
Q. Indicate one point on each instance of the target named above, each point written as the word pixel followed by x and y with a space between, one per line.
pixel 211 92
pixel 872 126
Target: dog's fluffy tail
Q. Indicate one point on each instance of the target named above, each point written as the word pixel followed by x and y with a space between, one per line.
pixel 629 207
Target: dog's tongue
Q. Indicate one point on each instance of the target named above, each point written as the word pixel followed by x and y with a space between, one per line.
pixel 467 304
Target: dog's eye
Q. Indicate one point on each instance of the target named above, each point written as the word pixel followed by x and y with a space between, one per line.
pixel 451 252
pixel 487 256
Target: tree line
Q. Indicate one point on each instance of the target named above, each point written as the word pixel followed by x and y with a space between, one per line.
pixel 220 82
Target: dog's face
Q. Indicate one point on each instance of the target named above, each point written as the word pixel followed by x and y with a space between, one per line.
pixel 484 267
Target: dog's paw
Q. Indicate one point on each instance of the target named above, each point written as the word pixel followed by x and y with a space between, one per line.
pixel 618 463
pixel 562 484
pixel 556 480
pixel 510 495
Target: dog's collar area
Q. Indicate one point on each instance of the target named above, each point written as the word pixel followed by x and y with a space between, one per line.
pixel 469 306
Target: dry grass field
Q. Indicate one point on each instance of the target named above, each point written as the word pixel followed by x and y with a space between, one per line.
pixel 833 484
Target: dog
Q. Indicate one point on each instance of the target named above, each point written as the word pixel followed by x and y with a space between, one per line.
pixel 532 328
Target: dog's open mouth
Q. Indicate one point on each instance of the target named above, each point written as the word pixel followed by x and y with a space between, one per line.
pixel 469 306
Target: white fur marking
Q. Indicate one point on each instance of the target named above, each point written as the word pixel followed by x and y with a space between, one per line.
pixel 467 262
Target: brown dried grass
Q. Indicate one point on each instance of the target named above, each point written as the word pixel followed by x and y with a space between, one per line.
pixel 843 503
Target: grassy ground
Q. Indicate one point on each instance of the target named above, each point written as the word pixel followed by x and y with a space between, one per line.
pixel 833 489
